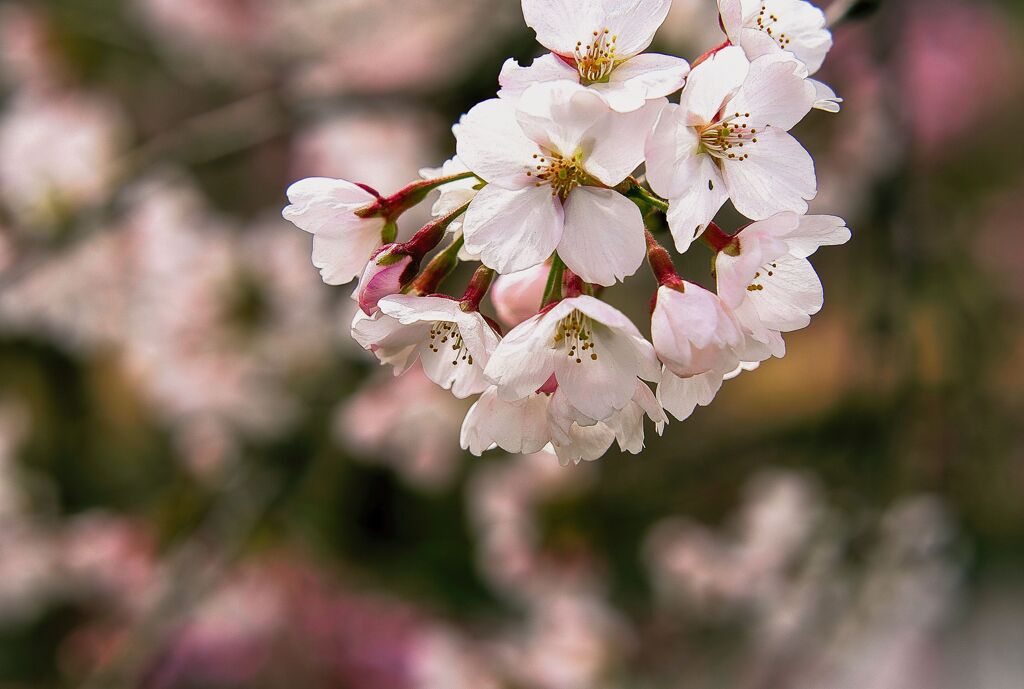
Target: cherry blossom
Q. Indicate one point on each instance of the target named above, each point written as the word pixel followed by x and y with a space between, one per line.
pixel 763 27
pixel 342 241
pixel 545 418
pixel 453 344
pixel 549 160
pixel 727 139
pixel 767 280
pixel 598 44
pixel 593 351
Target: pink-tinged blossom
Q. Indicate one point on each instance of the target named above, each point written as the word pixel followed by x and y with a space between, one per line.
pixel 385 274
pixel 769 283
pixel 763 27
pixel 592 350
pixel 517 296
pixel 693 332
pixel 727 139
pixel 528 425
pixel 549 160
pixel 453 344
pixel 598 44
pixel 342 241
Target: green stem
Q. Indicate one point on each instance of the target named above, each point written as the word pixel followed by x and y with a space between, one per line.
pixel 553 289
pixel 636 191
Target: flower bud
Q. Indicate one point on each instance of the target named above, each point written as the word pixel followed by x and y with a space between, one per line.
pixel 387 273
pixel 693 332
pixel 517 296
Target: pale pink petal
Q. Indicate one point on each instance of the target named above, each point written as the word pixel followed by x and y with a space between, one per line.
pixel 786 293
pixel 711 83
pixel 513 230
pixel 491 144
pixel 643 78
pixel 615 143
pixel 519 426
pixel 777 176
pixel 680 396
pixel 559 24
pixel 515 78
pixel 558 115
pixel 603 240
pixel 523 360
pixel 775 93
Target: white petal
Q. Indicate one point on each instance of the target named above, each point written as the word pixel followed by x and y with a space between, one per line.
pixel 561 23
pixel 603 239
pixel 734 273
pixel 491 144
pixel 775 93
pixel 408 309
pixel 814 231
pixel 692 332
pixel 523 360
pixel 634 23
pixel 689 213
pixel 787 293
pixel 341 257
pixel 825 99
pixel 588 443
pixel 778 176
pixel 599 387
pixel 730 13
pixel 451 370
pixel 342 241
pixel 513 230
pixel 711 83
pixel 516 78
pixel 614 145
pixel 680 396
pixel 391 342
pixel 557 115
pixel 643 78
pixel 519 427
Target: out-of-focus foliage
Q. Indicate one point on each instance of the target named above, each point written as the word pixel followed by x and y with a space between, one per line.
pixel 203 483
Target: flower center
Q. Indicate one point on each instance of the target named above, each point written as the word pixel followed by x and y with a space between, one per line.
pixel 563 174
pixel 767 21
pixel 575 335
pixel 443 332
pixel 596 59
pixel 725 137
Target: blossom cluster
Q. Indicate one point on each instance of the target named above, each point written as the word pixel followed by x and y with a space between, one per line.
pixel 559 188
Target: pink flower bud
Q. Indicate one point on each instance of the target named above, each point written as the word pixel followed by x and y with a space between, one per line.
pixel 517 296
pixel 383 276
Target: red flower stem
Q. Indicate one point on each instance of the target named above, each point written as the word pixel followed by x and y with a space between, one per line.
pixel 717 240
pixel 725 44
pixel 430 235
pixel 390 207
pixel 661 264
pixel 477 289
pixel 439 268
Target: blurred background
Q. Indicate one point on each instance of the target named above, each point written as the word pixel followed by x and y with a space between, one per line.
pixel 205 484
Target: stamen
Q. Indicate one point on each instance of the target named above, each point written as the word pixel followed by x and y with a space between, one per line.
pixel 596 59
pixel 443 331
pixel 575 334
pixel 563 174
pixel 767 22
pixel 721 137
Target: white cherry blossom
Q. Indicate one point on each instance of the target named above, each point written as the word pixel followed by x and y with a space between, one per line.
pixel 454 345
pixel 768 281
pixel 763 27
pixel 545 418
pixel 549 160
pixel 728 139
pixel 598 44
pixel 593 351
pixel 342 241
